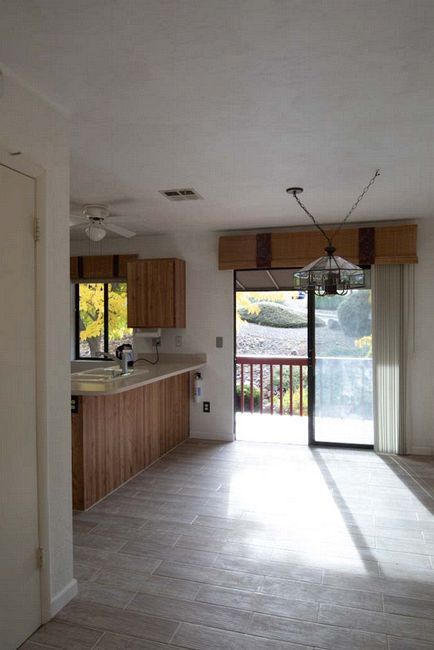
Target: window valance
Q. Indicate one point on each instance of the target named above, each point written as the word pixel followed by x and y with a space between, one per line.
pixel 395 244
pixel 86 268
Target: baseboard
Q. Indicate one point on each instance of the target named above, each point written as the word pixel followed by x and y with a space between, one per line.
pixel 63 597
pixel 420 451
pixel 212 435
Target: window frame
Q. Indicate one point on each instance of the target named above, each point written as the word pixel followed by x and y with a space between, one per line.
pixel 77 320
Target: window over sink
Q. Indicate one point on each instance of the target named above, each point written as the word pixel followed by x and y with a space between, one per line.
pixel 100 319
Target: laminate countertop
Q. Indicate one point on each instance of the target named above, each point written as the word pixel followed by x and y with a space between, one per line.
pixel 89 384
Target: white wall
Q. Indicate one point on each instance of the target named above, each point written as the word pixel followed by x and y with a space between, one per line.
pixel 209 314
pixel 420 438
pixel 30 125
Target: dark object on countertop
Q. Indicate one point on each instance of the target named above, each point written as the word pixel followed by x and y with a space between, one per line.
pixel 121 348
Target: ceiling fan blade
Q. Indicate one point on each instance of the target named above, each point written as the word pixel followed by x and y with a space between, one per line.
pixel 77 206
pixel 78 226
pixel 75 220
pixel 119 230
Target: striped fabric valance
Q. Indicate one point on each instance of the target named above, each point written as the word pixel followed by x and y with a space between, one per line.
pixel 374 245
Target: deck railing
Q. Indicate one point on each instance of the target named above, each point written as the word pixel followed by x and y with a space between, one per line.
pixel 272 384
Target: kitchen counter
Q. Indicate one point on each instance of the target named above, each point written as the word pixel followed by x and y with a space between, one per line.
pixel 169 365
pixel 121 426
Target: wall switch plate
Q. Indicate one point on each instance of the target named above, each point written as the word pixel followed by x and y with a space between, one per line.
pixel 206 407
pixel 178 341
pixel 219 341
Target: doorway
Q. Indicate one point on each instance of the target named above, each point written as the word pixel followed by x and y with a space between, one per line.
pixel 271 358
pixel 303 363
pixel 20 598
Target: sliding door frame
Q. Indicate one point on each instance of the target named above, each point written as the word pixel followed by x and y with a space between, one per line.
pixel 312 442
pixel 311 368
pixel 311 383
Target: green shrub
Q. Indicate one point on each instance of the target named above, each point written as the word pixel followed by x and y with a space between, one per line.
pixel 276 298
pixel 256 396
pixel 354 314
pixel 273 315
pixel 329 303
pixel 286 377
pixel 333 324
pixel 295 401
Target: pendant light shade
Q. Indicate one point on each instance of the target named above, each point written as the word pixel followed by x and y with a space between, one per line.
pixel 330 275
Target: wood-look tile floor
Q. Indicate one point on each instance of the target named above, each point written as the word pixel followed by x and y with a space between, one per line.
pixel 249 546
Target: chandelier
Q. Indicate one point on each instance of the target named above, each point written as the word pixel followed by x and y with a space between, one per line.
pixel 330 275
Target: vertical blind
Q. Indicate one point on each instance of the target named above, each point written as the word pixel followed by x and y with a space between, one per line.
pixel 393 316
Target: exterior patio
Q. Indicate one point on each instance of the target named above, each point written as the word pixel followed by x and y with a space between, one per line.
pixel 293 429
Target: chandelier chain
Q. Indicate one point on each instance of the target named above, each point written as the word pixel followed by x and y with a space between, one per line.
pixel 356 202
pixel 347 216
pixel 303 207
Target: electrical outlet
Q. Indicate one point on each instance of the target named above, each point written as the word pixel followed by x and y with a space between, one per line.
pixel 219 341
pixel 156 341
pixel 178 341
pixel 206 407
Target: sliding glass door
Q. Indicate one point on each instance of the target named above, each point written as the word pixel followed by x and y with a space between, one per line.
pixel 340 378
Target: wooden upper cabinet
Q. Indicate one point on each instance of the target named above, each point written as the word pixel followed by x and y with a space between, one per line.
pixel 156 293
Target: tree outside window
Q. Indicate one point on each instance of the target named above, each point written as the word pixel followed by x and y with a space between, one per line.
pixel 101 323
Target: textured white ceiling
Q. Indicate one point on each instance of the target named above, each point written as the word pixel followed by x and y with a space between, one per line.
pixel 238 99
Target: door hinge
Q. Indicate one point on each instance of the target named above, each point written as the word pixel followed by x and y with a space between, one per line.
pixel 40 557
pixel 36 229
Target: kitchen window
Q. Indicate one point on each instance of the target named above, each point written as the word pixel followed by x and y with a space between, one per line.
pixel 100 319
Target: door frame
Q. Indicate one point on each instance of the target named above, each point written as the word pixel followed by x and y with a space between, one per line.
pixel 17 162
pixel 234 338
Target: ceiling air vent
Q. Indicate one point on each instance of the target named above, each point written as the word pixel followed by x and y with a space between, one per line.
pixel 183 194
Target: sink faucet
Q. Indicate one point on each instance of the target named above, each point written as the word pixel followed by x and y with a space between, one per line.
pixel 123 361
pixel 125 357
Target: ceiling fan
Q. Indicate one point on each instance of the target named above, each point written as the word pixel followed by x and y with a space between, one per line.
pixel 95 220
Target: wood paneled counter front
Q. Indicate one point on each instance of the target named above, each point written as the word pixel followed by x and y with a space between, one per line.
pixel 120 427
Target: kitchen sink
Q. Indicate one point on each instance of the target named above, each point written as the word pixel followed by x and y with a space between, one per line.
pixel 113 373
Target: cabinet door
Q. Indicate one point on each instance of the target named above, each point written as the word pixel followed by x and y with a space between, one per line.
pixel 156 293
pixel 177 409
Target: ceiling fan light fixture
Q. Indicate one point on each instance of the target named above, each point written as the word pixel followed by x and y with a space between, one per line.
pixel 95 211
pixel 95 233
pixel 96 223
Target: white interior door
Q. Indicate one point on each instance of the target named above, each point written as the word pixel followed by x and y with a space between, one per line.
pixel 20 607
